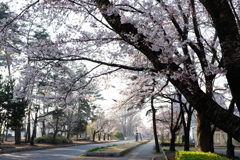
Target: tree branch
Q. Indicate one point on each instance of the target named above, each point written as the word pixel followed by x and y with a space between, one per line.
pixel 96 61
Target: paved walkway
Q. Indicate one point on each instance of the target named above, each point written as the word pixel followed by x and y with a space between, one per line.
pixel 143 152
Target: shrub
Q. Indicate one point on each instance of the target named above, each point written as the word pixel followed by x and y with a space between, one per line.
pixel 186 155
pixel 49 138
pixel 117 135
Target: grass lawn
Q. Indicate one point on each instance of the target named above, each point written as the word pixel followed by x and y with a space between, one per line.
pixel 119 148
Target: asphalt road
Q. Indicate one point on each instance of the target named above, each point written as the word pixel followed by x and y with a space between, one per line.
pixel 70 153
pixel 222 150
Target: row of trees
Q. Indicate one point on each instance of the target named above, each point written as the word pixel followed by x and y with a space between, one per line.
pixel 59 101
pixel 170 110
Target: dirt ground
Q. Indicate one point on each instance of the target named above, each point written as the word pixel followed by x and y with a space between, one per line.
pixel 170 155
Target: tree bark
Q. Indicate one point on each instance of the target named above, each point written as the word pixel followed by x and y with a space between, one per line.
pixel 186 140
pixel 230 147
pixel 155 126
pixel 3 133
pixel 204 136
pixel 99 136
pixel 69 133
pixel 6 137
pixel 93 137
pixel 104 136
pixel 43 128
pixel 172 142
pixel 34 129
pixel 186 123
pixel 54 141
pixel 18 136
pixel 28 135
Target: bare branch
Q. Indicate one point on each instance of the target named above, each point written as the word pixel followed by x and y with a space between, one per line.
pixel 96 61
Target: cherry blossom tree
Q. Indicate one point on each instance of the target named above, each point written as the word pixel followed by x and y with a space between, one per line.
pixel 184 110
pixel 97 127
pixel 183 40
pixel 143 93
pixel 171 117
pixel 125 118
pixel 136 34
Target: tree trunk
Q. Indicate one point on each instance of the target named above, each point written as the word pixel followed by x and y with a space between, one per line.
pixel 204 134
pixel 18 136
pixel 86 131
pixel 186 139
pixel 186 133
pixel 104 136
pixel 155 126
pixel 34 128
pixel 172 142
pixel 93 137
pixel 69 133
pixel 230 148
pixel 186 125
pixel 54 141
pixel 55 132
pixel 174 127
pixel 6 137
pixel 77 136
pixel 3 135
pixel 33 134
pixel 28 134
pixel 99 136
pixel 43 128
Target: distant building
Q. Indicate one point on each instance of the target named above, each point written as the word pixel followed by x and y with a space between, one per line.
pixel 220 139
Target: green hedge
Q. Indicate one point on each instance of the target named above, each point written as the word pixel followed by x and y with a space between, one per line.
pixel 49 138
pixel 186 155
pixel 117 135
